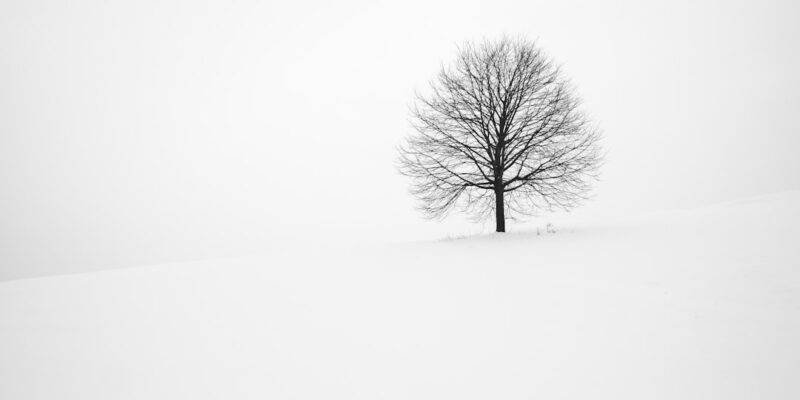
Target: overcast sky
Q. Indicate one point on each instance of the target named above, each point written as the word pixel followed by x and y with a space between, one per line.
pixel 147 131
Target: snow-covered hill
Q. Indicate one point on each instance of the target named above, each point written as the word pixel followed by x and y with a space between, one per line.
pixel 697 304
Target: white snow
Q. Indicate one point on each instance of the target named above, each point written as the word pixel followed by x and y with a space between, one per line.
pixel 695 304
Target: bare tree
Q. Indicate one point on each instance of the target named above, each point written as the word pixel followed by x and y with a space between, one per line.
pixel 500 131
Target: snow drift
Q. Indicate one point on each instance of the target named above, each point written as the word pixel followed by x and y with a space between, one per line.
pixel 698 304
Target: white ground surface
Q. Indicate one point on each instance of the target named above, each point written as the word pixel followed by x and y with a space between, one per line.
pixel 699 304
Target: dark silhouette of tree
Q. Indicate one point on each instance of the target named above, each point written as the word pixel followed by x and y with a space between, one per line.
pixel 500 131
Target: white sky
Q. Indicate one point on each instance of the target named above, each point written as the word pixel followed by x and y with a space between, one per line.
pixel 149 131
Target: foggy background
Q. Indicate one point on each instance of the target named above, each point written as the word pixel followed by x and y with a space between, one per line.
pixel 152 131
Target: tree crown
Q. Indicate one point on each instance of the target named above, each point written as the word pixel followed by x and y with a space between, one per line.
pixel 500 126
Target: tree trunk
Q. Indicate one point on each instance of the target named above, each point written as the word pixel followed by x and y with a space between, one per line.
pixel 499 211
